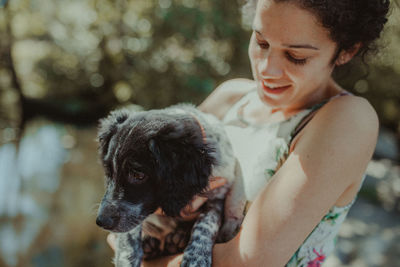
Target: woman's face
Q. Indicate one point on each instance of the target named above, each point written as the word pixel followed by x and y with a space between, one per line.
pixel 290 55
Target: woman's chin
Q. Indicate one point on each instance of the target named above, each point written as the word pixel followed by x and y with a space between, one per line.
pixel 274 100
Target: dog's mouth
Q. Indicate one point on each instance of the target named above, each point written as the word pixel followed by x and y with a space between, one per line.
pixel 119 224
pixel 119 217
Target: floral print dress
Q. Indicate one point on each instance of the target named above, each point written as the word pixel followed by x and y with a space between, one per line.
pixel 261 149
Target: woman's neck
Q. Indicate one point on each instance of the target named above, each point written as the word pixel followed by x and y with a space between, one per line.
pixel 330 89
pixel 257 111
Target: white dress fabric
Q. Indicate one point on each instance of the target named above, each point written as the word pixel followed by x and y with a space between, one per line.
pixel 261 150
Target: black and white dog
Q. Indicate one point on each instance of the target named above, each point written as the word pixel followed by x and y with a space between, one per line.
pixel 162 159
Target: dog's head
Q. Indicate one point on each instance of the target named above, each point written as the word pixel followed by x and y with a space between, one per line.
pixel 150 160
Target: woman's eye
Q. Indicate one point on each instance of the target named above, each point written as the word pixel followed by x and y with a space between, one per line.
pixel 136 177
pixel 263 45
pixel 295 60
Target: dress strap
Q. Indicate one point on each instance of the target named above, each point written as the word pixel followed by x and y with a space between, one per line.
pixel 310 115
pixel 234 109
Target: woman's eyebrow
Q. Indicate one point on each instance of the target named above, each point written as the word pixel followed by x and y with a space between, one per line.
pixel 305 46
pixel 295 46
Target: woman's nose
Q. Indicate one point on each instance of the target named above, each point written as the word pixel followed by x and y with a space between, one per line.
pixel 270 67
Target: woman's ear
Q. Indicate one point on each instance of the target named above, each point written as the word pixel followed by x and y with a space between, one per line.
pixel 346 55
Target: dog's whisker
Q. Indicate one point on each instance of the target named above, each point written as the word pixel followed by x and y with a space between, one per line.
pixel 96 205
pixel 94 209
pixel 136 220
pixel 186 158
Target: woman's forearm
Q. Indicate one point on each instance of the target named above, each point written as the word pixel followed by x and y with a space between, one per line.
pixel 224 255
pixel 228 254
pixel 168 261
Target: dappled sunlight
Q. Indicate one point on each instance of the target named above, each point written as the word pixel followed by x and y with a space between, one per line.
pixel 65 64
pixel 369 237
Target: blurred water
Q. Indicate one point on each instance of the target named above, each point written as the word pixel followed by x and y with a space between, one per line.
pixel 50 188
pixel 2 2
pixel 26 176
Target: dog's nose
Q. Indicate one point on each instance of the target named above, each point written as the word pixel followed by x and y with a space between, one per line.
pixel 106 222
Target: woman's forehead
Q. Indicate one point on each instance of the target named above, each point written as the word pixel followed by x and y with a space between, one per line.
pixel 286 22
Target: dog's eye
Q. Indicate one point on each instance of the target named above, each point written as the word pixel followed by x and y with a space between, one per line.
pixel 135 177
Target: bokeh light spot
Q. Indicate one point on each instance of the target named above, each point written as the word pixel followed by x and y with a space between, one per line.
pixel 96 80
pixel 361 86
pixel 122 91
pixel 164 3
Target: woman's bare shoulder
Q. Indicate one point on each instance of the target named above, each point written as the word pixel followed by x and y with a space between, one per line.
pixel 225 95
pixel 348 115
pixel 347 123
pixel 354 111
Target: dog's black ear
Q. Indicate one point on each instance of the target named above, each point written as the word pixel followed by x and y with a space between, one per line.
pixel 108 127
pixel 184 166
pixel 154 149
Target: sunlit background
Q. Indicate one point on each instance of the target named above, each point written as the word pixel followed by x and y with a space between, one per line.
pixel 65 64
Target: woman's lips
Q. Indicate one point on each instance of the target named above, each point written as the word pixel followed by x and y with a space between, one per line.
pixel 275 89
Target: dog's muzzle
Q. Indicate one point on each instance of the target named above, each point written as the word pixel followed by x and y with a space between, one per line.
pixel 120 216
pixel 107 218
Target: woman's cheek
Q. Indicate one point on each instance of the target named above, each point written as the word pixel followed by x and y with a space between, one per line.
pixel 308 77
pixel 254 61
pixel 301 72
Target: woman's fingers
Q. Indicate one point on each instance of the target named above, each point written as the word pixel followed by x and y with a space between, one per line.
pixel 190 211
pixel 166 261
pixel 216 182
pixel 111 240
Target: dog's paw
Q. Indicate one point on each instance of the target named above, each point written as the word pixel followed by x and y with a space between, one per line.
pixel 129 252
pixel 127 261
pixel 196 259
pixel 197 254
pixel 176 242
pixel 151 247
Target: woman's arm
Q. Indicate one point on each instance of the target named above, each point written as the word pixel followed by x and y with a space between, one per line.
pixel 330 156
pixel 168 261
pixel 225 95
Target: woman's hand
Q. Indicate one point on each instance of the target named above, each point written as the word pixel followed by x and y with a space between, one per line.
pixel 111 240
pixel 169 261
pixel 191 212
pixel 188 213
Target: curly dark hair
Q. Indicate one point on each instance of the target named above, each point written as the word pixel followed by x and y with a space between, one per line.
pixel 348 21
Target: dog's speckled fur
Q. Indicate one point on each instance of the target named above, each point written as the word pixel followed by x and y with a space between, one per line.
pixel 159 158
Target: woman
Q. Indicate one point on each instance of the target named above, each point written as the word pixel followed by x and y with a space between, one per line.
pixel 303 141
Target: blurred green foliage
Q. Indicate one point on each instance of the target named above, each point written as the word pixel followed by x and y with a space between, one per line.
pixel 378 78
pixel 75 60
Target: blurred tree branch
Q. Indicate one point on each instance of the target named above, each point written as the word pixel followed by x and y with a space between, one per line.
pixel 97 55
pixel 79 109
pixel 9 64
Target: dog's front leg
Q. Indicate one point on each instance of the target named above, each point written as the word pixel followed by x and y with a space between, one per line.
pixel 129 252
pixel 198 253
